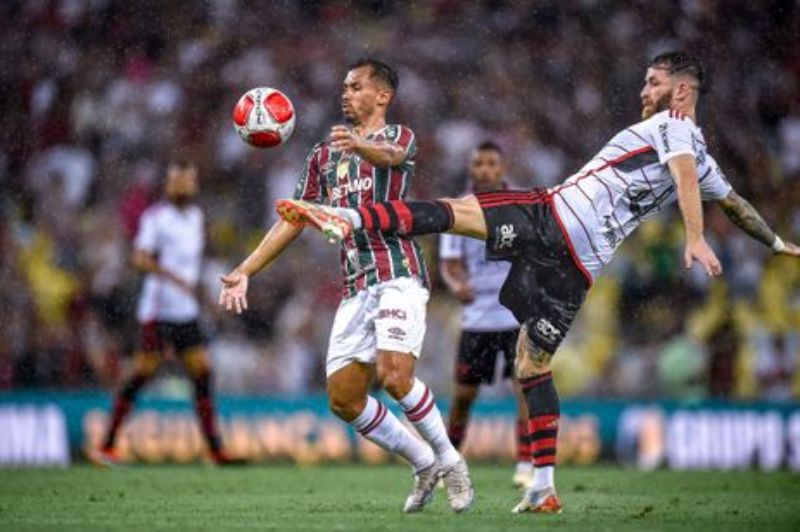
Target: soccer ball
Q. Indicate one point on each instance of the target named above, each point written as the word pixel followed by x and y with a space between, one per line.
pixel 264 117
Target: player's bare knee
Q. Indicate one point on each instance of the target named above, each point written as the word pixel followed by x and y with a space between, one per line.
pixel 196 362
pixel 146 364
pixel 395 373
pixel 345 405
pixel 530 359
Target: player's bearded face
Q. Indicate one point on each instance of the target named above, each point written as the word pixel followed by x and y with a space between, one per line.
pixel 486 170
pixel 181 185
pixel 656 94
pixel 358 96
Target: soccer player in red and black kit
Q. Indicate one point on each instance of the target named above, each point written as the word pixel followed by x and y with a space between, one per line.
pixel 488 329
pixel 559 239
pixel 169 249
pixel 380 323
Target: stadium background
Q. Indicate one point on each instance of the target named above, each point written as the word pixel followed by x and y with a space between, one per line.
pixel 96 95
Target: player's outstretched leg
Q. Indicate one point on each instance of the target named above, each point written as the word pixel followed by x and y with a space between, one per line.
pixel 536 382
pixel 409 218
pixel 347 394
pixel 145 366
pixel 396 373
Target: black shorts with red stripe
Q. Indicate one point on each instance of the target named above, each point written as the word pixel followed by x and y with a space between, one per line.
pixel 478 352
pixel 545 288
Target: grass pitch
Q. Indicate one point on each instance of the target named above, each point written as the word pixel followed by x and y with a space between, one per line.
pixel 370 498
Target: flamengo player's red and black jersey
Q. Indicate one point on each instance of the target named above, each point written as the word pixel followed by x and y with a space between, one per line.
pixel 344 179
pixel 629 181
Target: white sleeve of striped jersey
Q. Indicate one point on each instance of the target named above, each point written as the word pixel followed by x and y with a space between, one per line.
pixel 147 235
pixel 450 247
pixel 715 186
pixel 671 136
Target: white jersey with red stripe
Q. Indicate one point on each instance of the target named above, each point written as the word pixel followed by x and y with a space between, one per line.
pixel 629 181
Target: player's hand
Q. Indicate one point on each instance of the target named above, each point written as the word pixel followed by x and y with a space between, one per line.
pixel 700 251
pixel 234 291
pixel 464 293
pixel 344 139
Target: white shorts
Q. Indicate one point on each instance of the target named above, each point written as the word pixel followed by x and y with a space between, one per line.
pixel 387 316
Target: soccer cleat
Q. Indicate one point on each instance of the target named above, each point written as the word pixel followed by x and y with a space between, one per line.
pixel 523 475
pixel 222 459
pixel 297 212
pixel 539 502
pixel 103 457
pixel 459 488
pixel 422 492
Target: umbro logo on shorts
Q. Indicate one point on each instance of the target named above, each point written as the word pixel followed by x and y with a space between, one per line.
pixel 396 333
pixel 506 237
pixel 547 329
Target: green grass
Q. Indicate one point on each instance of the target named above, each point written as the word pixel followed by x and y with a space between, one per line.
pixel 369 498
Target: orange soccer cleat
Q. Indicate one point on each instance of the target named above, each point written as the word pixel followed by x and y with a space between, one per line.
pixel 539 502
pixel 103 457
pixel 331 224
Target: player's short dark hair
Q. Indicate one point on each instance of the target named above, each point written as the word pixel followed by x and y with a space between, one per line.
pixel 681 63
pixel 489 145
pixel 181 160
pixel 380 71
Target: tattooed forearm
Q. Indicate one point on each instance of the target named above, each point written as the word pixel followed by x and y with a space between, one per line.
pixel 747 218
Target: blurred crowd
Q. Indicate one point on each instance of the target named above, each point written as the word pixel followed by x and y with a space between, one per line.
pixel 95 95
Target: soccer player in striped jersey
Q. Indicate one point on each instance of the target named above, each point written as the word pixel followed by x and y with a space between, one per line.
pixel 380 323
pixel 488 329
pixel 559 239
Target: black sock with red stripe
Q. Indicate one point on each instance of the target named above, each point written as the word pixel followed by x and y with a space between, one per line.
pixel 122 405
pixel 543 416
pixel 408 218
pixel 456 433
pixel 523 442
pixel 205 411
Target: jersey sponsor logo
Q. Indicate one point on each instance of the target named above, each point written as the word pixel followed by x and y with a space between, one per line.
pixel 392 314
pixel 506 237
pixel 662 130
pixel 547 329
pixel 356 185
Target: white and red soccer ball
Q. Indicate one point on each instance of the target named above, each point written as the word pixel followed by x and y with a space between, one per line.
pixel 264 117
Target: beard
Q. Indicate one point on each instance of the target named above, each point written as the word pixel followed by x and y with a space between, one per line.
pixel 662 104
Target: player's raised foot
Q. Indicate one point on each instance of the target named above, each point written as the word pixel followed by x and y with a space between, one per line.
pixel 422 492
pixel 539 502
pixel 103 457
pixel 460 492
pixel 523 475
pixel 334 226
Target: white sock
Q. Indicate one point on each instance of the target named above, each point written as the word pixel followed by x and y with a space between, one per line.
pixel 377 424
pixel 543 478
pixel 422 412
pixel 352 216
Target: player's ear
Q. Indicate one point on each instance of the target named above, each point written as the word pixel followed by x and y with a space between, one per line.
pixel 384 97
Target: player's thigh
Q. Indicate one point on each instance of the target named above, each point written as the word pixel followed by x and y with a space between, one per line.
pixel 352 336
pixel 468 217
pixel 531 358
pixel 191 347
pixel 400 319
pixel 348 387
pixel 149 350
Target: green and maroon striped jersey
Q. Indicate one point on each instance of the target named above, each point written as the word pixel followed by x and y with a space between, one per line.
pixel 344 179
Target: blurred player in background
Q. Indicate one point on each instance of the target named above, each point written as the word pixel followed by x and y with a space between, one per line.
pixel 558 240
pixel 487 328
pixel 168 249
pixel 380 323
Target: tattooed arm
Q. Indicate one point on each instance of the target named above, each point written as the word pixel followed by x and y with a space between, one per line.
pixel 747 218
